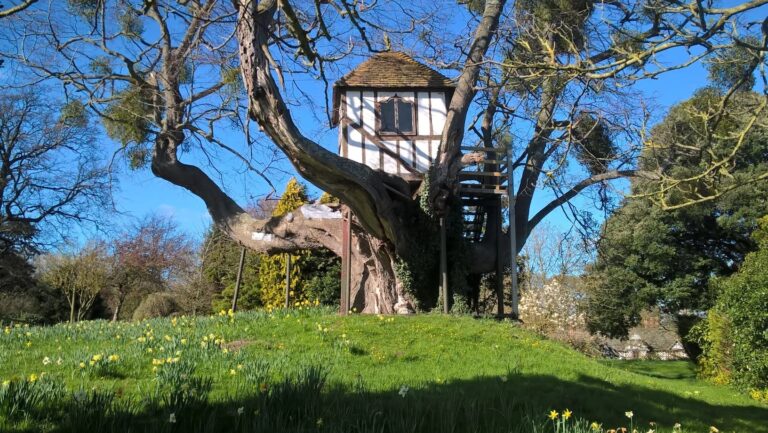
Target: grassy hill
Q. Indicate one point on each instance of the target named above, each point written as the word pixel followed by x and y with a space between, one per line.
pixel 313 371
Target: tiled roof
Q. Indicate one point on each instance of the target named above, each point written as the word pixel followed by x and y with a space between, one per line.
pixel 393 69
pixel 390 70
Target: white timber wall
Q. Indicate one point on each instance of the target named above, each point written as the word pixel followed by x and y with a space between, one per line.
pixel 399 154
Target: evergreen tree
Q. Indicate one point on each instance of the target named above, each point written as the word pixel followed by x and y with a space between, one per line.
pixel 314 273
pixel 649 257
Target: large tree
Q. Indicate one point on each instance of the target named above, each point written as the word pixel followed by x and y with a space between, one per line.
pixel 51 172
pixel 651 257
pixel 551 76
pixel 149 256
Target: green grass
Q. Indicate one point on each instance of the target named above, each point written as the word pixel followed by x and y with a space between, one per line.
pixel 679 370
pixel 313 371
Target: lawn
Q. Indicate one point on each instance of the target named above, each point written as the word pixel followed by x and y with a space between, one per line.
pixel 313 371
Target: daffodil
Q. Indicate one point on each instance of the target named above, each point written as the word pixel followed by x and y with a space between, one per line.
pixel 567 414
pixel 553 415
pixel 629 414
pixel 595 426
pixel 33 378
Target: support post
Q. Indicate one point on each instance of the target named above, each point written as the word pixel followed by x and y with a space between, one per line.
pixel 512 234
pixel 346 260
pixel 499 263
pixel 287 280
pixel 239 279
pixel 443 267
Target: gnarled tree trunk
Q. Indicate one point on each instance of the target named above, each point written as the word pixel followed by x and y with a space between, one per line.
pixel 375 286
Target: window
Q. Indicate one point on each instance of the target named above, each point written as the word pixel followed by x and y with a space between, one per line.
pixel 396 116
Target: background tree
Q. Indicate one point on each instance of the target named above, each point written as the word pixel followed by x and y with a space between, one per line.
pixel 51 177
pixel 79 278
pixel 148 257
pixel 550 252
pixel 314 273
pixel 649 257
pixel 220 264
pixel 51 174
pixel 23 297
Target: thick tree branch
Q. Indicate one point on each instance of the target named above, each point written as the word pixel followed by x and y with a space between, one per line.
pixel 18 8
pixel 576 189
pixel 448 160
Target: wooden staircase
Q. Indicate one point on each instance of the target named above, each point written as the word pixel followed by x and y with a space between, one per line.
pixel 482 185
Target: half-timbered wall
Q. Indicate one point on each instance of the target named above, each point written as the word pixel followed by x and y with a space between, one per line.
pixel 397 154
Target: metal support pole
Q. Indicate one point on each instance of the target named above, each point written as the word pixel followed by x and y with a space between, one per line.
pixel 287 280
pixel 512 233
pixel 443 266
pixel 346 265
pixel 238 279
pixel 499 263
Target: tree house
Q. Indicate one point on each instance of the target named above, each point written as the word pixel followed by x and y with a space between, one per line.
pixel 391 111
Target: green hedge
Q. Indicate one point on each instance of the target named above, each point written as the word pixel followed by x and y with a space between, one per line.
pixel 735 334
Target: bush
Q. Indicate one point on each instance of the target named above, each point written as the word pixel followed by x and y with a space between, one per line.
pixel 156 305
pixel 735 335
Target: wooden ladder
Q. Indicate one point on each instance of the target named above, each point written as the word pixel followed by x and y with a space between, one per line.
pixel 481 186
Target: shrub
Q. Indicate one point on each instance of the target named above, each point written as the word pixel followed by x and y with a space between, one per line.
pixel 735 334
pixel 156 305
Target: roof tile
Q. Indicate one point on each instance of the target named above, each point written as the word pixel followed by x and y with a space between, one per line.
pixel 393 69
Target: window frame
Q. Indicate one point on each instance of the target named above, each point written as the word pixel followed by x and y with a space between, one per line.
pixel 396 98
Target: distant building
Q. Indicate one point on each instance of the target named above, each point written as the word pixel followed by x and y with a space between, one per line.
pixel 651 340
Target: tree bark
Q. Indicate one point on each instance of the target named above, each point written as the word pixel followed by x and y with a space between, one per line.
pixel 375 285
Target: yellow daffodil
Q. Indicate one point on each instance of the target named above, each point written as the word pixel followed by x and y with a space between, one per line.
pixel 567 414
pixel 113 358
pixel 595 426
pixel 553 415
pixel 32 378
pixel 713 429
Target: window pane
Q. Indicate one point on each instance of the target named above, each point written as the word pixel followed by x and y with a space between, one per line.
pixel 405 116
pixel 387 116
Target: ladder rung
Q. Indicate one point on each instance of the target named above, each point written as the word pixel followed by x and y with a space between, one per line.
pixel 489 161
pixel 483 191
pixel 482 149
pixel 481 173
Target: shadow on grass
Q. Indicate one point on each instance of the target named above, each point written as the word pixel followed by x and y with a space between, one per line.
pixel 677 370
pixel 515 403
